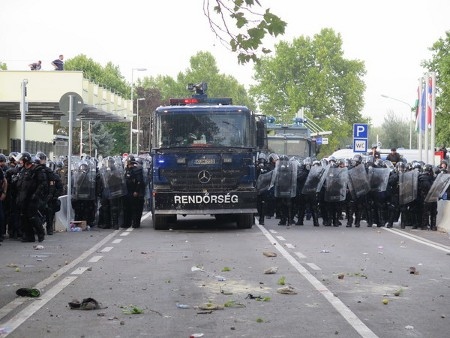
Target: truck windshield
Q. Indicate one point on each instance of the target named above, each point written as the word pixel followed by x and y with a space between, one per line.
pixel 200 129
pixel 290 147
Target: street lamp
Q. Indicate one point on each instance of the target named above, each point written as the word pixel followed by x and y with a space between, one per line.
pixel 410 117
pixel 138 123
pixel 132 104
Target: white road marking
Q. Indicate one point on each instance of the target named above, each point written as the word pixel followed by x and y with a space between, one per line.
pixel 345 312
pixel 300 255
pixel 107 249
pixel 281 238
pixel 95 259
pixel 125 233
pixel 79 270
pixel 38 303
pixel 419 239
pixel 313 266
pixel 116 241
pixel 290 246
pixel 273 231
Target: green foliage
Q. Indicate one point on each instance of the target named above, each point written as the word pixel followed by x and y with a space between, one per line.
pixel 120 133
pixel 394 132
pixel 3 66
pixel 251 26
pixel 440 64
pixel 282 280
pixel 108 77
pixel 203 67
pixel 312 74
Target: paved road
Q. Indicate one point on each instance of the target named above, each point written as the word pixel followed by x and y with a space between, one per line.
pixel 340 276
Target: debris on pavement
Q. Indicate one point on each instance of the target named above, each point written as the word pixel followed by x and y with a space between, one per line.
pixel 287 290
pixel 210 306
pixel 85 304
pixel 27 292
pixel 270 254
pixel 270 271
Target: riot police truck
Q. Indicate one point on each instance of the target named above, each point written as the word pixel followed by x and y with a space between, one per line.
pixel 203 159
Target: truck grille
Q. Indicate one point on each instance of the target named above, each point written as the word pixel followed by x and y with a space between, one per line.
pixel 187 179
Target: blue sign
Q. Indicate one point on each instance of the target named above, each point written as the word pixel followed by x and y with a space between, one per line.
pixel 360 137
pixel 319 140
pixel 360 130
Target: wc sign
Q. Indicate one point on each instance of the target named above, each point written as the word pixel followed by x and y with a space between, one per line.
pixel 360 137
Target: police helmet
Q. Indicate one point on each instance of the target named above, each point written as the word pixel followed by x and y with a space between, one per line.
pixel 284 158
pixel 13 157
pixel 357 158
pixel 307 161
pixel 41 156
pixel 2 158
pixel 262 157
pixel 25 157
pixel 316 163
pixel 83 167
pixel 444 163
pixel 400 167
pixel 332 159
pixel 428 169
pixel 379 163
pixel 273 157
pixel 59 164
pixel 131 159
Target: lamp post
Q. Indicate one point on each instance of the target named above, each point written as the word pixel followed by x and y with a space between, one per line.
pixel 132 104
pixel 410 119
pixel 138 123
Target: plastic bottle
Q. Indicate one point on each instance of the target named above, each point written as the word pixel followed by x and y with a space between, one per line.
pixel 182 306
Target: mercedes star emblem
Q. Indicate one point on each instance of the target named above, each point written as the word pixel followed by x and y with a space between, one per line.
pixel 204 176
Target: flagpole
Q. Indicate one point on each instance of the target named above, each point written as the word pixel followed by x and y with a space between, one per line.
pixel 419 116
pixel 427 133
pixel 433 114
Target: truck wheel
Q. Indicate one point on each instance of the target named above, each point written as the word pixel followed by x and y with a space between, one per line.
pixel 245 221
pixel 160 222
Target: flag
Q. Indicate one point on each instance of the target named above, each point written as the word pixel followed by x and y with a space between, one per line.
pixel 421 108
pixel 429 102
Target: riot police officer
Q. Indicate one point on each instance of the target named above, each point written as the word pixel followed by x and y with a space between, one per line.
pixel 55 189
pixel 133 202
pixel 32 190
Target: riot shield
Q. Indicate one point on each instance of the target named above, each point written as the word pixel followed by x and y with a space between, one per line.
pixel 358 181
pixel 83 181
pixel 336 184
pixel 315 179
pixel 263 182
pixel 407 184
pixel 378 179
pixel 284 179
pixel 440 185
pixel 113 178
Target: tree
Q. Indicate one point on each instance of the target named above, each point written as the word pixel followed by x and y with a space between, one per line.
pixel 98 137
pixel 203 68
pixel 312 74
pixel 3 66
pixel 394 132
pixel 240 25
pixel 440 64
pixel 108 77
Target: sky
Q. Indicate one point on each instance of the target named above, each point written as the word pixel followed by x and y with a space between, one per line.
pixel 392 37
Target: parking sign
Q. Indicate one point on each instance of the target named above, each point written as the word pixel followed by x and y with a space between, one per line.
pixel 360 137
